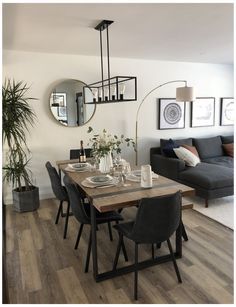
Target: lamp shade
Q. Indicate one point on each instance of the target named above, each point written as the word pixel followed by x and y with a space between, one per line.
pixel 185 93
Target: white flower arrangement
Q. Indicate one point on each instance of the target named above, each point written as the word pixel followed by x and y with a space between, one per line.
pixel 105 143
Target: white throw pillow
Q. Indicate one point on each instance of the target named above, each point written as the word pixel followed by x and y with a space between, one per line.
pixel 187 156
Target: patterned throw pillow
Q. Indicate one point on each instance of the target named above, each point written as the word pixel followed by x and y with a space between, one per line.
pixel 193 149
pixel 187 156
pixel 229 149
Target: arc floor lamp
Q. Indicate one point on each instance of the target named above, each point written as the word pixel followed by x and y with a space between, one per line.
pixel 184 93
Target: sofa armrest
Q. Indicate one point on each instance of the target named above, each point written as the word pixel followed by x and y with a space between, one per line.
pixel 168 167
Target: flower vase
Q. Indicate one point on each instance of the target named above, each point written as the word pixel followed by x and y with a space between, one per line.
pixel 105 163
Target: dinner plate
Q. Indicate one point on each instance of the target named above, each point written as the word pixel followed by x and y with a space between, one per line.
pixel 136 176
pixel 89 184
pixel 101 179
pixel 79 166
pixel 136 173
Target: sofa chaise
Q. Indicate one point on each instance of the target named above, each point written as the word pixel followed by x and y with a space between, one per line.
pixel 212 178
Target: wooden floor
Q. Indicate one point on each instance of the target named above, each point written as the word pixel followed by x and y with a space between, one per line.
pixel 44 268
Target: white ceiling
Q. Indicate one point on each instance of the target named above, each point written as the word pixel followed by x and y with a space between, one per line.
pixel 174 32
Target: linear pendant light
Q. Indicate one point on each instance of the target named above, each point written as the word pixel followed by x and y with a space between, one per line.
pixel 110 90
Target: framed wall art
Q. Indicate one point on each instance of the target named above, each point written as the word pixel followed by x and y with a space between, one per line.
pixel 227 111
pixel 171 114
pixel 58 99
pixel 203 112
pixel 61 112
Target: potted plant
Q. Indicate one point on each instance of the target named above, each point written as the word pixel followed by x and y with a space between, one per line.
pixel 17 117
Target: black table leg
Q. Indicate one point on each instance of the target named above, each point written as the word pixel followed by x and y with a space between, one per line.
pixel 94 241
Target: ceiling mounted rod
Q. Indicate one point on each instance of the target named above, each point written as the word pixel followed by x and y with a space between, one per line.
pixel 108 65
pixel 100 27
pixel 102 64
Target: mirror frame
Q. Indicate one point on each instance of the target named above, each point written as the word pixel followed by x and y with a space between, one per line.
pixel 59 82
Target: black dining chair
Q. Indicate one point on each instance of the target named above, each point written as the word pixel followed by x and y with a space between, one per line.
pixel 74 153
pixel 60 193
pixel 156 220
pixel 81 212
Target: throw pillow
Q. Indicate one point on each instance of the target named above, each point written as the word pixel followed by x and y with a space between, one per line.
pixel 229 149
pixel 187 156
pixel 192 149
pixel 168 149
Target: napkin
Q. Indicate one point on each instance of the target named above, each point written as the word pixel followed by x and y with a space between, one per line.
pixel 146 176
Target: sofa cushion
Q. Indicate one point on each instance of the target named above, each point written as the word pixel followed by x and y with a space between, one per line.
pixel 208 176
pixel 229 149
pixel 209 147
pixel 177 142
pixel 187 156
pixel 223 161
pixel 168 147
pixel 227 139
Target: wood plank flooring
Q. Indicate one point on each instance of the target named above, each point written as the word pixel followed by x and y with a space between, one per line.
pixel 44 268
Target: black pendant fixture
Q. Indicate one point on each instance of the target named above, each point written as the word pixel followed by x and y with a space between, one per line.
pixel 110 90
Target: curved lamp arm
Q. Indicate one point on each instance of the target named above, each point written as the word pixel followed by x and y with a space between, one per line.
pixel 136 129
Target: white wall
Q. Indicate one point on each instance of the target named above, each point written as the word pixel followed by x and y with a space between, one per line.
pixel 50 141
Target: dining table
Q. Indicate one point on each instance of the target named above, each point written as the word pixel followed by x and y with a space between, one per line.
pixel 115 197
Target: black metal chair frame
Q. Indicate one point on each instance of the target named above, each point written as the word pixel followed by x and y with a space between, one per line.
pixel 139 237
pixel 85 219
pixel 61 194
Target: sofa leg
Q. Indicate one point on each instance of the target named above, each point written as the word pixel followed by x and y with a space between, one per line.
pixel 206 203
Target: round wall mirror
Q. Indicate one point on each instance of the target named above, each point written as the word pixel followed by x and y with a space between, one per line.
pixel 67 103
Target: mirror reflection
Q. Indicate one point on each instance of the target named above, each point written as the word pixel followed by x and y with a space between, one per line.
pixel 67 103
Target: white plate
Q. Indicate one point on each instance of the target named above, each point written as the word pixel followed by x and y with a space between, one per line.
pixel 136 173
pixel 136 176
pixel 100 179
pixel 79 166
pixel 89 184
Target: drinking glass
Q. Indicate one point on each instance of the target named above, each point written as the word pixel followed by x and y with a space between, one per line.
pixel 93 164
pixel 118 177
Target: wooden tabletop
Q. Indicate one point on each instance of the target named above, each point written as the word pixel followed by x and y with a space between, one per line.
pixel 116 197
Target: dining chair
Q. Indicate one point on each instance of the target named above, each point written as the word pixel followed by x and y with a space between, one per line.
pixel 60 193
pixel 74 153
pixel 81 212
pixel 156 220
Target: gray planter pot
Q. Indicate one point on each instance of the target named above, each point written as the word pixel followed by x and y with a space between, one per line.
pixel 26 200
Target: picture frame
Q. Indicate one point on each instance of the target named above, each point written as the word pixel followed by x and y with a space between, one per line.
pixel 58 99
pixel 203 112
pixel 171 114
pixel 61 112
pixel 227 111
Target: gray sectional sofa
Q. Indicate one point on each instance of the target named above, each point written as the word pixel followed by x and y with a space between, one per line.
pixel 212 178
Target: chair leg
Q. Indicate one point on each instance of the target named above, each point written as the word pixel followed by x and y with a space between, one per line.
pixel 158 245
pixel 118 251
pixel 153 254
pixel 136 272
pixel 124 249
pixel 206 203
pixel 59 211
pixel 79 235
pixel 88 252
pixel 174 261
pixel 67 218
pixel 184 233
pixel 110 231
